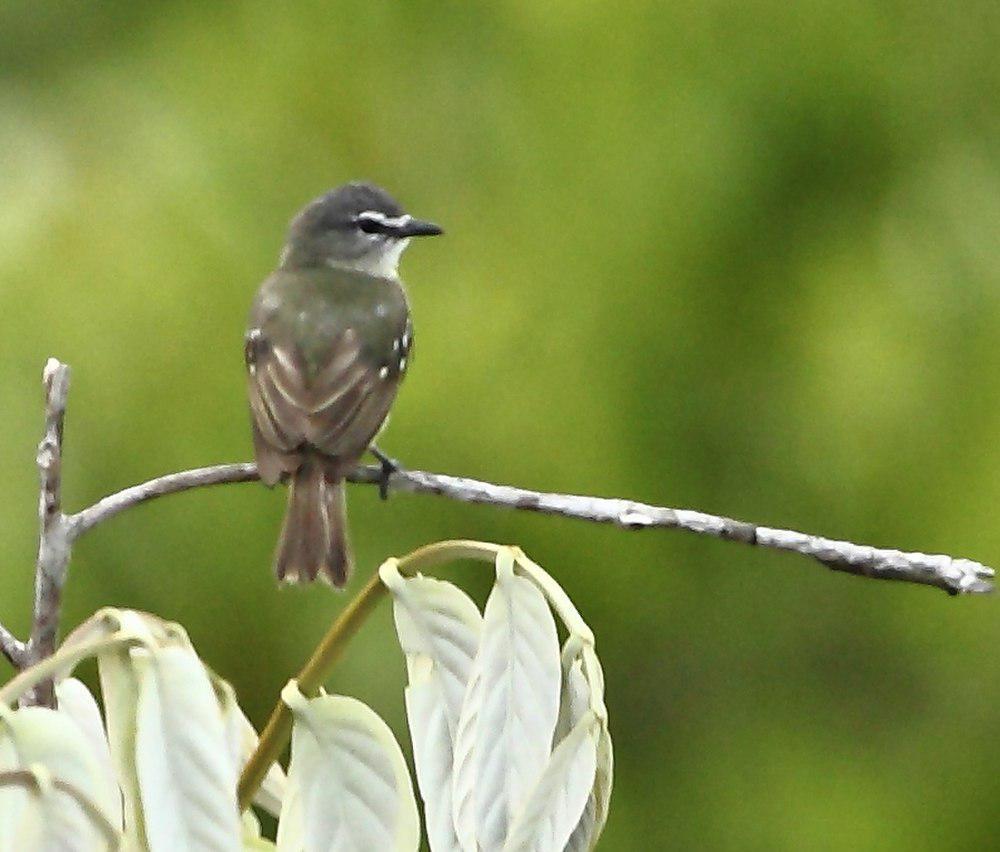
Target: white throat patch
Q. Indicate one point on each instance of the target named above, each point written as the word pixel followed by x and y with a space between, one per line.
pixel 383 264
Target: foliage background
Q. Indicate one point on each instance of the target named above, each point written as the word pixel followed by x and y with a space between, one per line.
pixel 740 257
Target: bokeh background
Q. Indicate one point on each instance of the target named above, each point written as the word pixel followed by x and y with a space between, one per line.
pixel 735 256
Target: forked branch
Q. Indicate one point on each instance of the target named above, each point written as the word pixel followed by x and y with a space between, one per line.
pixel 59 531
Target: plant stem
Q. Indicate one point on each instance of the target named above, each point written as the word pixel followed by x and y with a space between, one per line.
pixel 279 727
pixel 278 730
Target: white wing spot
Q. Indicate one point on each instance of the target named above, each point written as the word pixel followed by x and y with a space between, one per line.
pixel 254 337
pixel 284 359
pixel 383 372
pixel 402 363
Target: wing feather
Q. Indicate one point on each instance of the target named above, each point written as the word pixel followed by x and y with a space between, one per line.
pixel 336 404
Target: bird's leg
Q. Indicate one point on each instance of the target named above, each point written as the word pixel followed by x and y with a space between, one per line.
pixel 389 467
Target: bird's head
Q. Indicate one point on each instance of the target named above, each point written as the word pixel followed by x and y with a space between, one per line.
pixel 355 226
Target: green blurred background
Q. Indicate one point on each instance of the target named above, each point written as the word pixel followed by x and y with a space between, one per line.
pixel 741 257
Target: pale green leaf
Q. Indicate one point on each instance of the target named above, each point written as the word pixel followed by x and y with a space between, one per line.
pixel 432 756
pixel 48 744
pixel 241 742
pixel 76 701
pixel 349 788
pixel 464 779
pixel 439 628
pixel 55 815
pixel 556 803
pixel 187 782
pixel 515 707
pixel 13 797
pixel 440 624
pixel 120 694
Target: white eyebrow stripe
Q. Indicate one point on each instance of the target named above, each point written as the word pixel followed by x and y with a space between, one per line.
pixel 388 221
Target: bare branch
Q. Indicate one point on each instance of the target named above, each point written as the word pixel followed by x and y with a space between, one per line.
pixel 12 648
pixel 53 539
pixel 944 572
pixel 111 505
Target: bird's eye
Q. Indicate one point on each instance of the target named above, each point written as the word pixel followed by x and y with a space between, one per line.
pixel 369 226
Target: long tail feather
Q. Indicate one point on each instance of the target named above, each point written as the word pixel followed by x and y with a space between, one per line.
pixel 313 539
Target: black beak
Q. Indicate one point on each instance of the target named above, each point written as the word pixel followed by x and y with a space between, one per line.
pixel 417 228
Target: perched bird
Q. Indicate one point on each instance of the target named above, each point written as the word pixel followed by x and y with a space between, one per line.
pixel 327 344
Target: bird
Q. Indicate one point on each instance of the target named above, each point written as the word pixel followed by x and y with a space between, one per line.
pixel 328 341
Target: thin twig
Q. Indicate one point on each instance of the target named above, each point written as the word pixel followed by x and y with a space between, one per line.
pixel 12 648
pixel 951 574
pixel 113 504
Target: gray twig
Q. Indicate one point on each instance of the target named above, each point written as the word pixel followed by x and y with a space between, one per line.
pixel 53 534
pixel 59 531
pixel 111 505
pixel 12 648
pixel 944 572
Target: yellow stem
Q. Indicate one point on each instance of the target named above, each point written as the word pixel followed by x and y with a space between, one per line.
pixel 276 733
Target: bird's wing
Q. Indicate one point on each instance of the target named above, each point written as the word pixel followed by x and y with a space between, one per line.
pixel 335 405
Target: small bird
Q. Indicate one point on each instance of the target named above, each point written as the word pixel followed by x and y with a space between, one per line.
pixel 327 345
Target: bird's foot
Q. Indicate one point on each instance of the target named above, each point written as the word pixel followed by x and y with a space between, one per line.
pixel 389 466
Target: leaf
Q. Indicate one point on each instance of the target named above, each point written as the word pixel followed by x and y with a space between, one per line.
pixel 432 757
pixel 464 780
pixel 558 799
pixel 13 798
pixel 49 744
pixel 241 742
pixel 187 783
pixel 291 825
pixel 348 786
pixel 603 782
pixel 575 701
pixel 96 636
pixel 574 698
pixel 583 691
pixel 583 837
pixel 136 633
pixel 510 714
pixel 557 597
pixel 55 815
pixel 438 622
pixel 605 753
pixel 76 701
pixel 257 844
pixel 439 628
pixel 120 693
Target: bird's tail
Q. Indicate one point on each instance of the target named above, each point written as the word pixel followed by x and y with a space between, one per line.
pixel 313 539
